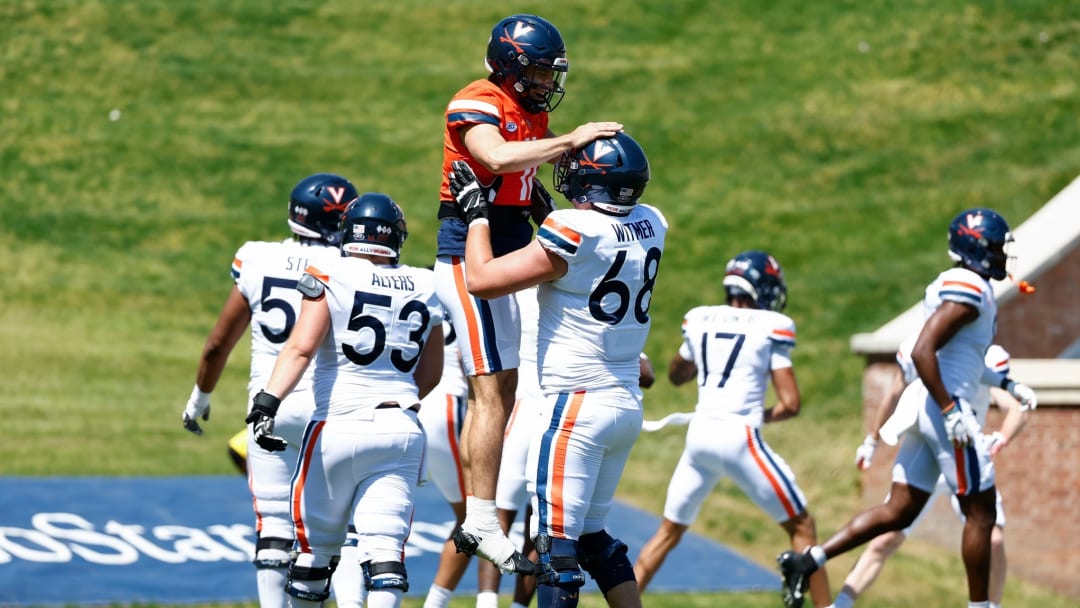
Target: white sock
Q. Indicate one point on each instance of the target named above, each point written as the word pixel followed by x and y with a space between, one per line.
pixel 384 598
pixel 480 514
pixel 487 599
pixel 978 604
pixel 843 600
pixel 438 597
pixel 993 605
pixel 818 554
pixel 517 605
pixel 348 580
pixel 271 583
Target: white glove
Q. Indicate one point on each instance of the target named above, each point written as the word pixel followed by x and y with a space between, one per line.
pixel 995 442
pixel 864 454
pixel 198 406
pixel 956 428
pixel 1023 394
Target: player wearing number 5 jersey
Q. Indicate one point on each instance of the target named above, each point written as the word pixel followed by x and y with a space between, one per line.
pixel 264 298
pixel 596 266
pixel 733 350
pixel 374 331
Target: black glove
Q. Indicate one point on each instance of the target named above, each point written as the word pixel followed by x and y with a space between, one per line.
pixel 542 203
pixel 473 200
pixel 263 409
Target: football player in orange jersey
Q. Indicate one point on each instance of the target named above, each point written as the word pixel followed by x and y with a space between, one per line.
pixel 499 127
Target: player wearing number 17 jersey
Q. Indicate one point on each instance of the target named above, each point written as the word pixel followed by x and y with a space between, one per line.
pixel 733 350
pixel 596 266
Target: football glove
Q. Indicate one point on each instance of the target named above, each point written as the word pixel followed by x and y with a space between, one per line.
pixel 864 454
pixel 263 409
pixel 1024 394
pixel 995 442
pixel 473 200
pixel 198 406
pixel 956 428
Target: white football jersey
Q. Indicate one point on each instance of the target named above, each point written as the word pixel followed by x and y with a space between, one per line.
pixel 594 320
pixel 266 274
pixel 529 314
pixel 734 350
pixel 381 317
pixel 961 359
pixel 996 362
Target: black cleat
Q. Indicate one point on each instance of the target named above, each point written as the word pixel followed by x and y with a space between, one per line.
pixel 471 544
pixel 795 571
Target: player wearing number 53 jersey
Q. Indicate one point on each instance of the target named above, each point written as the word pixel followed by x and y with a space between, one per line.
pixel 733 351
pixel 596 266
pixel 374 331
pixel 265 299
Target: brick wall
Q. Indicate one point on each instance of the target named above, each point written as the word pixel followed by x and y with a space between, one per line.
pixel 1043 324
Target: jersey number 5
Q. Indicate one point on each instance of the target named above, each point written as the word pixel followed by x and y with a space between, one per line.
pixel 611 285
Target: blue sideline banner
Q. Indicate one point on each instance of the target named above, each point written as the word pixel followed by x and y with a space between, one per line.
pixel 179 540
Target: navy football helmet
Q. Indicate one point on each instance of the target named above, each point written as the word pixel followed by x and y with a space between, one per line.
pixel 611 173
pixel 758 276
pixel 316 204
pixel 978 239
pixel 373 224
pixel 527 58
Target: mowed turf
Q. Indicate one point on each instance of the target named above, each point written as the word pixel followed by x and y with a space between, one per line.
pixel 840 136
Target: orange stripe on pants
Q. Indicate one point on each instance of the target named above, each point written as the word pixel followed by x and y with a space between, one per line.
pixel 768 474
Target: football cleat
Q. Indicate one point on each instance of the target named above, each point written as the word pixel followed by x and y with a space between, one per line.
pixel 795 571
pixel 496 548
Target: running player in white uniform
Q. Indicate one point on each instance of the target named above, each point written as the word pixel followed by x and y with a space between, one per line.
pixel 1014 398
pixel 264 297
pixel 374 330
pixel 961 315
pixel 596 266
pixel 733 351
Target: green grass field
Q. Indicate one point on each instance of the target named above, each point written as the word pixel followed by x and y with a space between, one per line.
pixel 841 136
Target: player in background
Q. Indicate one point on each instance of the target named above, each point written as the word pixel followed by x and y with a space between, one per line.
pixel 733 350
pixel 1016 399
pixel 596 266
pixel 499 127
pixel 960 315
pixel 373 328
pixel 264 298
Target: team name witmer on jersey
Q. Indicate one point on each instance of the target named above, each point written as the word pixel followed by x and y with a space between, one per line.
pixel 633 231
pixel 394 281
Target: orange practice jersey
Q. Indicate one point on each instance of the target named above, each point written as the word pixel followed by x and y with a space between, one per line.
pixel 483 102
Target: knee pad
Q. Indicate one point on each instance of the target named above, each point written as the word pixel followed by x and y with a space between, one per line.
pixel 273 553
pixel 558 563
pixel 604 558
pixel 385 575
pixel 310 575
